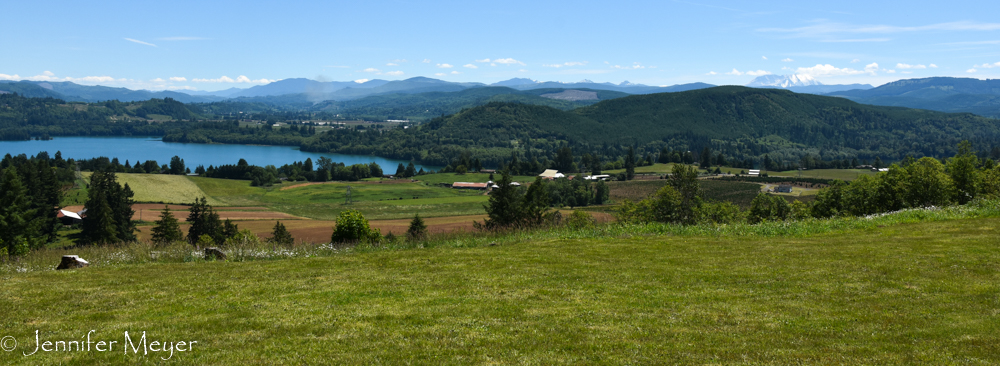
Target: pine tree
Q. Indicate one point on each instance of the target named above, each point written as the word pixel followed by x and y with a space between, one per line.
pixel 280 235
pixel 630 164
pixel 109 211
pixel 411 171
pixel 167 229
pixel 417 229
pixel 16 224
pixel 204 221
pixel 504 206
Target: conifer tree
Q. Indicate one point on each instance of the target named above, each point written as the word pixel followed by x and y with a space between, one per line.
pixel 280 235
pixel 167 229
pixel 109 210
pixel 16 217
pixel 630 164
pixel 417 229
pixel 204 221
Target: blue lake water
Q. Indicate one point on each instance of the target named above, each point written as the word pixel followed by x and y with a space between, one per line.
pixel 152 148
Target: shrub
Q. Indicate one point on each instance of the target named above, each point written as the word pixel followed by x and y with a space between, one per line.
pixel 580 220
pixel 353 227
pixel 721 213
pixel 766 207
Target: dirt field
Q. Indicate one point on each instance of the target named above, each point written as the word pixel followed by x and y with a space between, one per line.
pixel 385 181
pixel 319 231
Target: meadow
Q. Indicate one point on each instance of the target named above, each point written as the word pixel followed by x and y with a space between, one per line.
pixel 914 287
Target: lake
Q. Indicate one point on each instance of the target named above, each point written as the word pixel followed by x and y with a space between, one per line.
pixel 152 148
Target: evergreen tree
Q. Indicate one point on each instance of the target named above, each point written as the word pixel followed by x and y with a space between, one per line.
pixel 204 221
pixel 417 229
pixel 16 217
pixel 705 158
pixel 167 229
pixel 400 171
pixel 504 206
pixel 964 173
pixel 280 235
pixel 411 171
pixel 109 211
pixel 176 165
pixel 229 229
pixel 630 164
pixel 684 179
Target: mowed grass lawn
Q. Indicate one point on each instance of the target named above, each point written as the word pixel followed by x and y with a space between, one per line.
pixel 925 293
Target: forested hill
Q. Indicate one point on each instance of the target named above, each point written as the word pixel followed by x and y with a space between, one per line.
pixel 741 122
pixel 22 118
pixel 733 112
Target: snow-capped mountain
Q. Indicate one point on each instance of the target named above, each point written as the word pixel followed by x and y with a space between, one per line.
pixel 784 81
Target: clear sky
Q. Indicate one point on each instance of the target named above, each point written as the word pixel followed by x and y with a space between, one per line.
pixel 211 45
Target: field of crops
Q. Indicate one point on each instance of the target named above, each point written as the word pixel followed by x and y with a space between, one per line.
pixel 739 193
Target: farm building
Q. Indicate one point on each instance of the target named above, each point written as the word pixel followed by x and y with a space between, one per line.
pixel 69 217
pixel 466 185
pixel 551 174
pixel 784 188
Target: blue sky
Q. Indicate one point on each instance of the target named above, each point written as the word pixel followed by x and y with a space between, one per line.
pixel 211 45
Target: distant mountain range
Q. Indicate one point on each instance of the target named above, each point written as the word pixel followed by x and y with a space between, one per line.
pixel 944 94
pixel 938 93
pixel 801 83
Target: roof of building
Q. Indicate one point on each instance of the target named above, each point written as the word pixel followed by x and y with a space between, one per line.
pixel 549 173
pixel 64 213
pixel 470 185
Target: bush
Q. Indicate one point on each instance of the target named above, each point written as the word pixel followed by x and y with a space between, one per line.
pixel 721 213
pixel 580 220
pixel 766 207
pixel 352 227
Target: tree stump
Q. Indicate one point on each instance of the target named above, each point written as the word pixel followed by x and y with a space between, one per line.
pixel 72 261
pixel 214 253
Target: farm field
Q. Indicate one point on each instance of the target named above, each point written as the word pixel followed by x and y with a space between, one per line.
pixel 923 293
pixel 842 174
pixel 740 193
pixel 162 188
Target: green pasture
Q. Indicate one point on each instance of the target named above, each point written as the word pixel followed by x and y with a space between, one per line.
pixel 922 293
pixel 326 201
pixel 449 178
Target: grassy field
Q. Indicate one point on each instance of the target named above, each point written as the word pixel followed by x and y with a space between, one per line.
pixel 161 188
pixel 449 178
pixel 923 293
pixel 325 201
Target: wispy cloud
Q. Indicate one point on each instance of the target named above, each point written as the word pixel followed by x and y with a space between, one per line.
pixel 830 70
pixel 178 79
pixel 140 42
pixel 971 70
pixel 712 73
pixel 426 61
pixel 908 66
pixel 635 66
pixel 566 64
pixel 508 61
pixel 763 57
pixel 445 66
pixel 239 79
pixel 471 66
pixel 392 64
pixel 455 72
pixel 361 81
pixel 182 38
pixel 787 60
pixel 337 66
pixel 393 73
pixel 857 40
pixel 751 73
pixel 824 27
pixel 483 60
pixel 988 66
pixel 50 76
pixel 440 74
pixel 370 69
